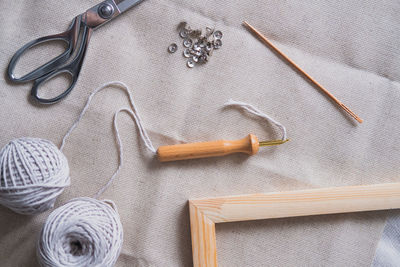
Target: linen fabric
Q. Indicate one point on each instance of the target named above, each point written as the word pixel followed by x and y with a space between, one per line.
pixel 352 48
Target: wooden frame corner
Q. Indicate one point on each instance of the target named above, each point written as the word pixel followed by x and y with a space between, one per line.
pixel 205 213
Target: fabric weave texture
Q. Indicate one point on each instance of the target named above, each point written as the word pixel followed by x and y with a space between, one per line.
pixel 349 47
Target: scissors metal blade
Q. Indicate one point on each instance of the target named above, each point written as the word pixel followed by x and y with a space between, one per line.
pixel 124 5
pixel 107 10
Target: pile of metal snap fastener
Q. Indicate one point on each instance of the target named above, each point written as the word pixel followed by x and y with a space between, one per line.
pixel 198 48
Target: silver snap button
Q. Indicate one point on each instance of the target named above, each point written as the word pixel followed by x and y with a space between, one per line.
pixel 218 35
pixel 187 43
pixel 173 48
pixel 186 53
pixel 196 47
pixel 217 44
pixel 183 33
pixel 203 59
pixel 209 31
pixel 190 63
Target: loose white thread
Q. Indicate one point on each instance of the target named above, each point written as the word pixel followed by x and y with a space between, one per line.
pixel 144 136
pixel 33 173
pixel 134 113
pixel 258 113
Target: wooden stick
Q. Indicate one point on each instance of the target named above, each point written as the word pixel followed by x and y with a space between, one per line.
pixel 266 41
pixel 205 213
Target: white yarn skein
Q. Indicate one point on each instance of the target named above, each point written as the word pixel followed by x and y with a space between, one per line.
pixel 83 232
pixel 87 231
pixel 33 173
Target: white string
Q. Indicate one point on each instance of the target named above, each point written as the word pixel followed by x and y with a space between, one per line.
pixel 138 120
pixel 133 112
pixel 120 149
pixel 255 111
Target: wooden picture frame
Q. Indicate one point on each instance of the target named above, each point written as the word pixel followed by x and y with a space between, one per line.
pixel 205 213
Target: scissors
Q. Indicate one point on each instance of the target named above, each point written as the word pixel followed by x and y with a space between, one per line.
pixel 77 38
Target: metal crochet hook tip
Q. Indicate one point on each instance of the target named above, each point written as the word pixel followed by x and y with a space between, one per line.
pixel 273 143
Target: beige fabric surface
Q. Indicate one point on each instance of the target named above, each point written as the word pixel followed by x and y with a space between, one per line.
pixel 351 47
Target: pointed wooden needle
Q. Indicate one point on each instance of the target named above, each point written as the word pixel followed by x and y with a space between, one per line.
pixel 248 145
pixel 323 89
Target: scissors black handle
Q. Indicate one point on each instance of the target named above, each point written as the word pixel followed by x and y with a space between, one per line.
pixel 70 61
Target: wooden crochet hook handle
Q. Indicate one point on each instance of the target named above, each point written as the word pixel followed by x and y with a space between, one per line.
pixel 248 145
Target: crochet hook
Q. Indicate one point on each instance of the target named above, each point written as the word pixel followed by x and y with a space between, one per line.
pixel 323 89
pixel 248 145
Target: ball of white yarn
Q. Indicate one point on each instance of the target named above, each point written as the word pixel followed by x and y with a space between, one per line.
pixel 33 172
pixel 83 232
